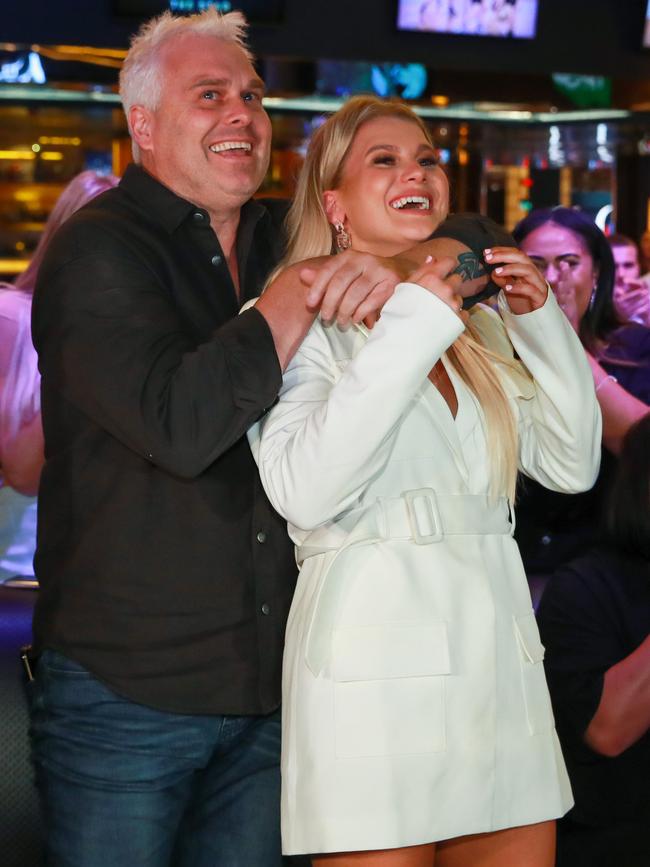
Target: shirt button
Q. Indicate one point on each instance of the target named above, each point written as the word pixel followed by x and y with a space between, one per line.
pixel 216 260
pixel 198 217
pixel 261 537
pixel 546 539
pixel 266 608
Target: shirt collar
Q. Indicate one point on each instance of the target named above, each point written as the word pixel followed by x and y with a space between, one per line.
pixel 167 209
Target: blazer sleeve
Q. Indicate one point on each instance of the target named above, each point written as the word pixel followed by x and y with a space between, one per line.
pixel 331 431
pixel 560 425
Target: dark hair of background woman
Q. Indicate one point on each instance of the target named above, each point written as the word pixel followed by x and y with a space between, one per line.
pixel 628 514
pixel 600 319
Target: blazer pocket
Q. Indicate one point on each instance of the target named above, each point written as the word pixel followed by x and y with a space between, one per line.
pixel 533 681
pixel 389 688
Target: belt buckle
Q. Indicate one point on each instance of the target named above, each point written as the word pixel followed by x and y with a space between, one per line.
pixel 428 495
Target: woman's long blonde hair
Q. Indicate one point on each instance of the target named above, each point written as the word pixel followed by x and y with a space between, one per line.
pixel 310 235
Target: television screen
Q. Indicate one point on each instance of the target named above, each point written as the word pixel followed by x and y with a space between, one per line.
pixel 257 11
pixel 646 27
pixel 506 18
pixel 343 77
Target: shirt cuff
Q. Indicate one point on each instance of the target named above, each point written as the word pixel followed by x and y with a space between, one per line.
pixel 252 359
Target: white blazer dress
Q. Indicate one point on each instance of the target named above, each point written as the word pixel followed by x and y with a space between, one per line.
pixel 415 707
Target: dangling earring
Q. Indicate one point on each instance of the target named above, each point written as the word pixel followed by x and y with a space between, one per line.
pixel 592 299
pixel 342 240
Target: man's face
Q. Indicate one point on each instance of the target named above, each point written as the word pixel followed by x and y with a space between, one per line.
pixel 209 139
pixel 626 260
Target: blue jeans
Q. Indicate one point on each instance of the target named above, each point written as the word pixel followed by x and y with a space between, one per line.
pixel 124 785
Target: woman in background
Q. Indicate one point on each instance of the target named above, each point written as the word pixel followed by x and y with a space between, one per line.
pixel 575 257
pixel 595 622
pixel 21 436
pixel 416 720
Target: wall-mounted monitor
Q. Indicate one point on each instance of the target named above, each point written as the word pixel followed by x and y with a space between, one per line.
pixel 501 18
pixel 646 27
pixel 344 77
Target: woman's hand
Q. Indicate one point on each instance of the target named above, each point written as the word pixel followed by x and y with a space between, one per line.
pixel 565 292
pixel 432 276
pixel 525 287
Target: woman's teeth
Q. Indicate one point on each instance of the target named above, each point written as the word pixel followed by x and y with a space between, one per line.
pixel 420 203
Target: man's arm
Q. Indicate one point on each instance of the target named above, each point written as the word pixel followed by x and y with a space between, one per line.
pixel 113 344
pixel 352 286
pixel 354 282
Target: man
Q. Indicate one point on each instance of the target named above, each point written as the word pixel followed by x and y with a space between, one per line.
pixel 165 575
pixel 631 290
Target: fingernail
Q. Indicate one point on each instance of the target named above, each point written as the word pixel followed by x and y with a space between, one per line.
pixel 508 288
pixel 498 270
pixel 428 259
pixel 488 251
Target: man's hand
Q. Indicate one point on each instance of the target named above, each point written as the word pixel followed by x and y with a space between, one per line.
pixel 352 286
pixel 349 288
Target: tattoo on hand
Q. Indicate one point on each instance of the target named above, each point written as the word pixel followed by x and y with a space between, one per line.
pixel 469 267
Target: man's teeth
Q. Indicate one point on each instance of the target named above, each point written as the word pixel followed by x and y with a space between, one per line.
pixel 230 146
pixel 422 202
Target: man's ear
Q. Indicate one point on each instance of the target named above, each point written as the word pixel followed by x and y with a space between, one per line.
pixel 141 123
pixel 335 213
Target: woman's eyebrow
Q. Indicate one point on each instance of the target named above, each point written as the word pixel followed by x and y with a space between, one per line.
pixel 382 147
pixel 388 147
pixel 559 255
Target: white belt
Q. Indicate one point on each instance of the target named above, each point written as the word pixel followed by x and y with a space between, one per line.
pixel 427 517
pixel 421 515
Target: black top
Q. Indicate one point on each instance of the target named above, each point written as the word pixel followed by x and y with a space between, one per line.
pixel 593 614
pixel 163 568
pixel 553 528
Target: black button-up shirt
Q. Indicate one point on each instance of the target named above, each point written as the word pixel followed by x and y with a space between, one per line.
pixel 151 512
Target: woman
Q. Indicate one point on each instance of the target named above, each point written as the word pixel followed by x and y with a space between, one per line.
pixel 21 436
pixel 595 621
pixel 417 725
pixel 576 259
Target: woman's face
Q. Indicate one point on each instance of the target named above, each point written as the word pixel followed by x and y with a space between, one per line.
pixel 554 249
pixel 393 194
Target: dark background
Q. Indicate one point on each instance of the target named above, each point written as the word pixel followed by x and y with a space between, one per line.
pixel 586 36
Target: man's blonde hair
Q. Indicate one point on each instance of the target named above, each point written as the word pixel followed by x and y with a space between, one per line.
pixel 141 74
pixel 310 235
